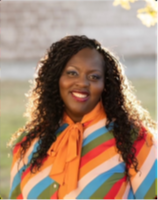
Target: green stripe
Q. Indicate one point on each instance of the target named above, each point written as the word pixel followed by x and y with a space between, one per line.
pixel 106 186
pixel 156 185
pixel 16 192
pixel 152 191
pixel 96 142
pixel 49 191
pixel 58 133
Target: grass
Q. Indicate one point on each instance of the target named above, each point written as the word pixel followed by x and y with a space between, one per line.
pixel 145 90
pixel 13 106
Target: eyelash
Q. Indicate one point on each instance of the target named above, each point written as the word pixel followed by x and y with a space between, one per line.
pixel 96 77
pixel 71 72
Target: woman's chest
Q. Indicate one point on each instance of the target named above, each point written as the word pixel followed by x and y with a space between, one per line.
pixel 100 175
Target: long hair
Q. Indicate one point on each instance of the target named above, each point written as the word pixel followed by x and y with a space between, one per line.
pixel 45 106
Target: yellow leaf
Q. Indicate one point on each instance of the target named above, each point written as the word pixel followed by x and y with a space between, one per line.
pixel 147 19
pixel 152 4
pixel 124 3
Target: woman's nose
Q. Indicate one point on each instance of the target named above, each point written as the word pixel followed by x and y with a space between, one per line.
pixel 82 81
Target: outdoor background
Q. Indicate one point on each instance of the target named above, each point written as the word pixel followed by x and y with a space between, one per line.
pixel 29 28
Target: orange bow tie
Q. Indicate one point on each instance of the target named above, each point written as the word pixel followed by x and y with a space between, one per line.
pixel 66 150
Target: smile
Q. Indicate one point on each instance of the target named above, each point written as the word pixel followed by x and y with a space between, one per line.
pixel 80 97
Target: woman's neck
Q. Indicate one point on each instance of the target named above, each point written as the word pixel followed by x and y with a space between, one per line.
pixel 75 118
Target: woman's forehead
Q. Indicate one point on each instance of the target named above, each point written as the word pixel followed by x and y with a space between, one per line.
pixel 87 56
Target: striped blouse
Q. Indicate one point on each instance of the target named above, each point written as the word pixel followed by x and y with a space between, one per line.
pixel 101 171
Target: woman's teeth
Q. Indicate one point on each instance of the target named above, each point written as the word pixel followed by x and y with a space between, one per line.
pixel 79 95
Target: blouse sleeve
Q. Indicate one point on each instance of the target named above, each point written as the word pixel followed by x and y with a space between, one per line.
pixel 18 168
pixel 143 182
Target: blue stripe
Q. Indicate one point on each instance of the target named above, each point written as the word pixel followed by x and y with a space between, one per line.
pixel 156 169
pixel 96 134
pixel 93 186
pixel 131 195
pixel 147 183
pixel 16 180
pixel 39 188
pixel 34 150
pixel 61 128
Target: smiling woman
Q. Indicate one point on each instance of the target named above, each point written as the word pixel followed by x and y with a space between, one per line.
pixel 87 136
pixel 82 82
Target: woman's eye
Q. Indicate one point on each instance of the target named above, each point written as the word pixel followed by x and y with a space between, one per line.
pixel 94 77
pixel 72 73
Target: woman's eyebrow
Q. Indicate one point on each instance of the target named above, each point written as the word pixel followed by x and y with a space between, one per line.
pixel 93 70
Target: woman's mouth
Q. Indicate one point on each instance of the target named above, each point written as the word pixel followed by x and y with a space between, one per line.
pixel 82 97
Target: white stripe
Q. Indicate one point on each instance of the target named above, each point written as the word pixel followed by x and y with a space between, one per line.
pixel 154 139
pixel 35 180
pixel 90 176
pixel 30 150
pixel 15 170
pixel 147 165
pixel 125 195
pixel 94 127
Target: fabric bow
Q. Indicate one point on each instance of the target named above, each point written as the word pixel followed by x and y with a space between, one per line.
pixel 66 150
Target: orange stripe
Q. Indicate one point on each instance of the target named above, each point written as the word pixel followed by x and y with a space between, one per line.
pixel 121 192
pixel 96 151
pixel 142 155
pixel 110 152
pixel 16 152
pixel 15 158
pixel 27 153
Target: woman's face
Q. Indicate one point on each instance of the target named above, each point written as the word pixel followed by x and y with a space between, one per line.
pixel 82 82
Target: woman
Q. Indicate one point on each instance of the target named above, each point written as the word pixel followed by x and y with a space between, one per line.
pixel 87 136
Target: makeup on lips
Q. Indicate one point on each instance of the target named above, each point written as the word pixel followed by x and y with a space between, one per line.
pixel 80 96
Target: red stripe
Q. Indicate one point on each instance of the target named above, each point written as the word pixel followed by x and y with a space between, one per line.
pixel 87 123
pixel 55 195
pixel 25 172
pixel 96 151
pixel 20 197
pixel 16 148
pixel 115 188
pixel 18 145
pixel 139 143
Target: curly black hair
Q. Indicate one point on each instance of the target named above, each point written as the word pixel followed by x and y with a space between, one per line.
pixel 45 106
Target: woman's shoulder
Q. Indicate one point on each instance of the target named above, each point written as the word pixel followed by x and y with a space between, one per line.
pixel 145 146
pixel 32 144
pixel 145 136
pixel 18 140
pixel 17 149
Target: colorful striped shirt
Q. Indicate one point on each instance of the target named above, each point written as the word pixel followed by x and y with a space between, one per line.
pixel 101 171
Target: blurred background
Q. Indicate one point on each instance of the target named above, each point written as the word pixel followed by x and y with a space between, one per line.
pixel 28 28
